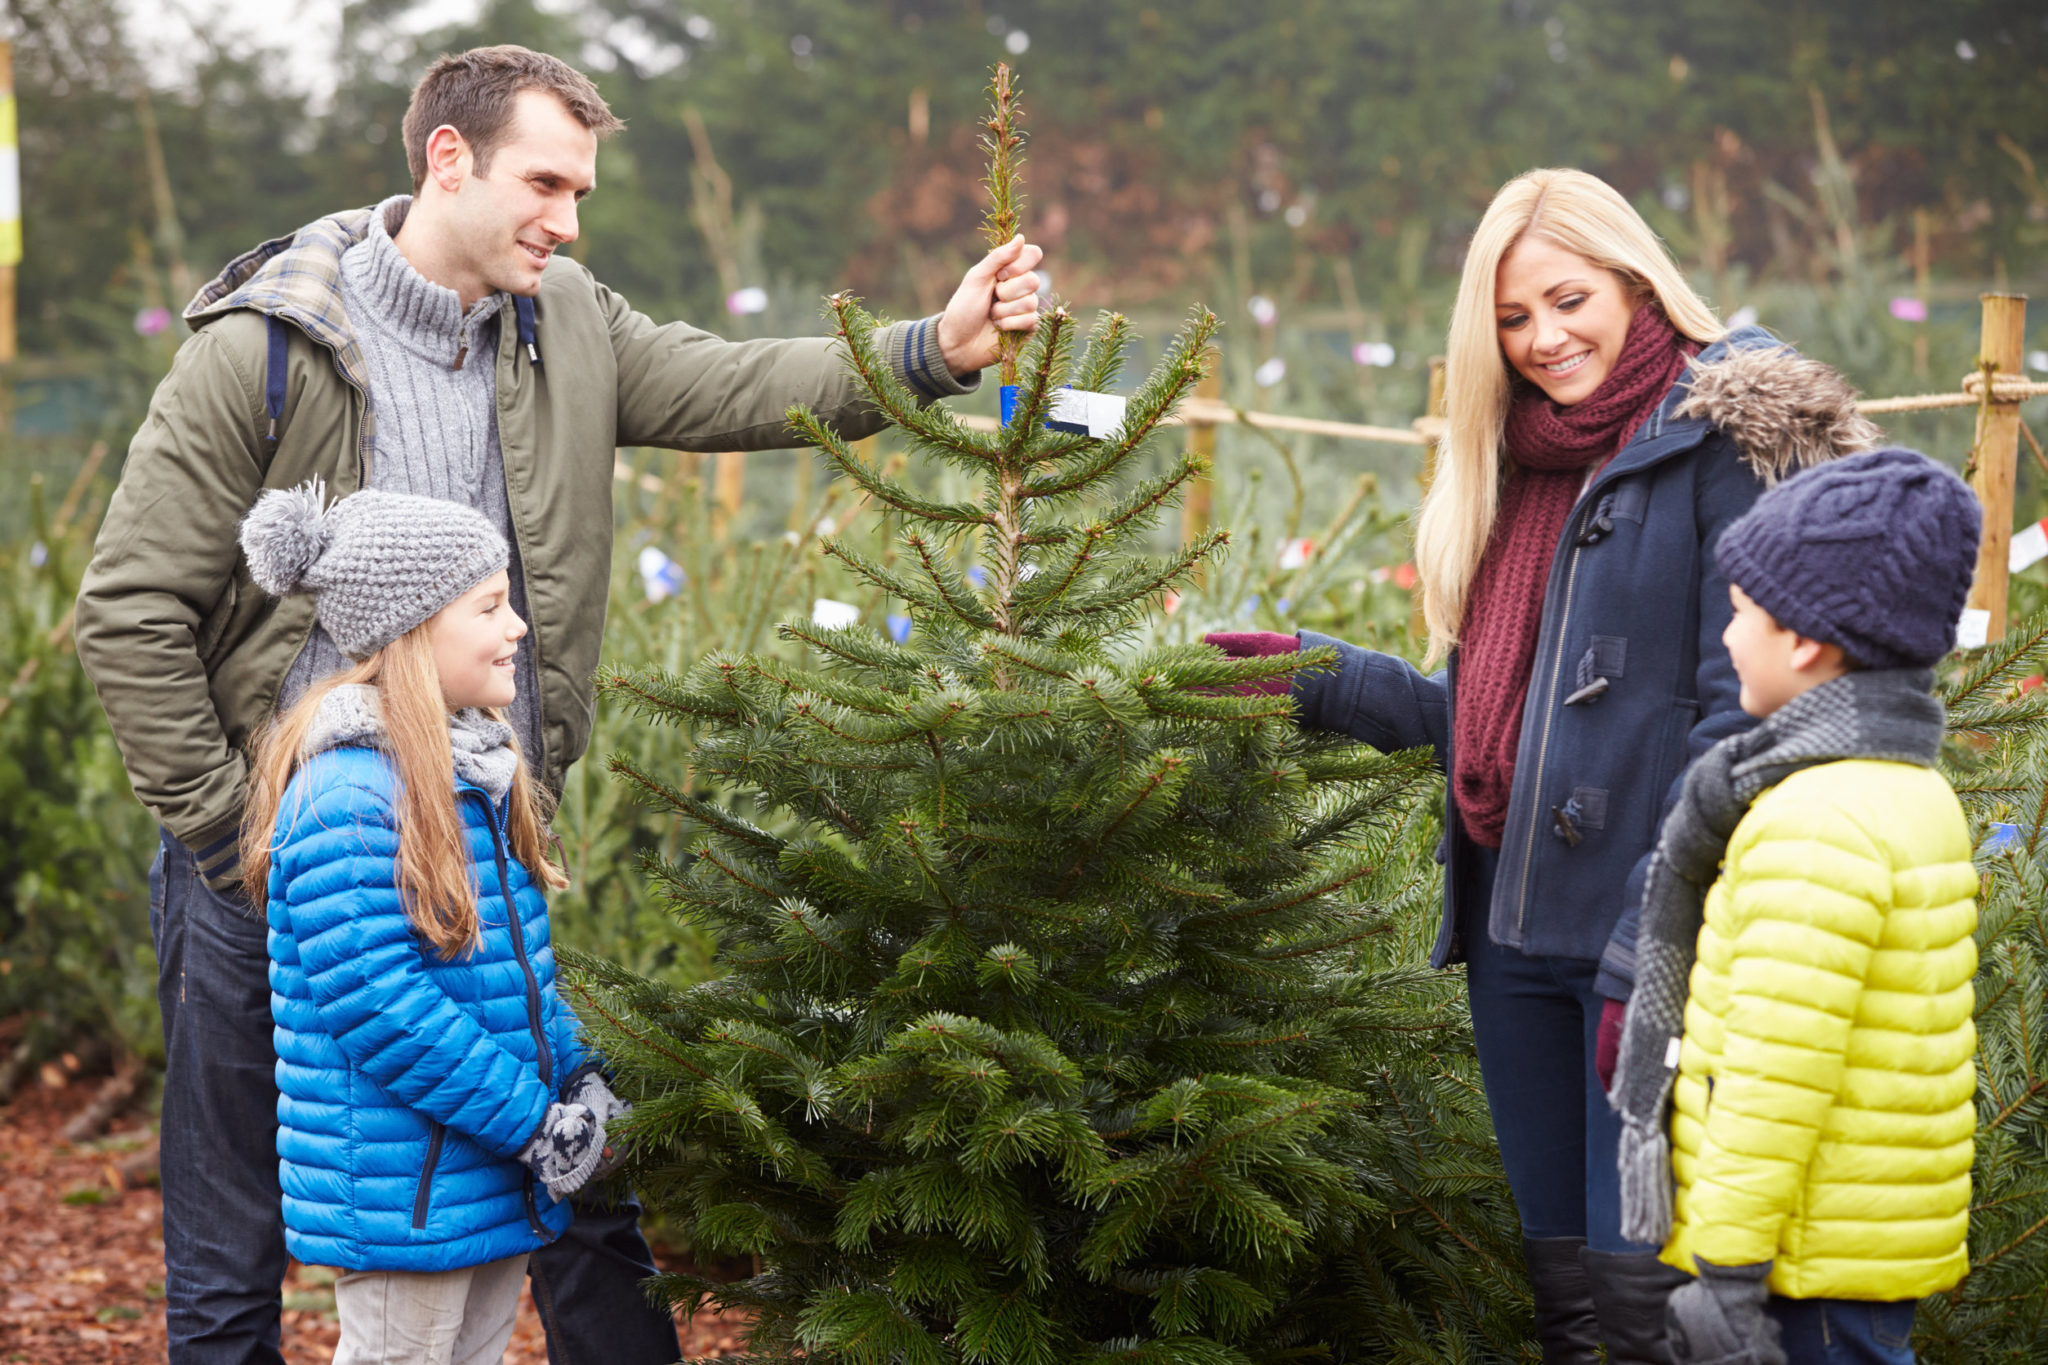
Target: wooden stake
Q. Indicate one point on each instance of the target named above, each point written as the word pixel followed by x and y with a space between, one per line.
pixel 1199 506
pixel 1921 262
pixel 10 217
pixel 1994 459
pixel 170 237
pixel 730 480
pixel 1430 424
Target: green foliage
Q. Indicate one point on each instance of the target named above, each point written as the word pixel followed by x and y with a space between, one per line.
pixel 75 848
pixel 1998 761
pixel 735 580
pixel 1064 1015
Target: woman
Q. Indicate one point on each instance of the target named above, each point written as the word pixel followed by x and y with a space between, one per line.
pixel 1603 428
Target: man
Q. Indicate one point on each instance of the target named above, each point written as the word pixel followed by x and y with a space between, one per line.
pixel 438 344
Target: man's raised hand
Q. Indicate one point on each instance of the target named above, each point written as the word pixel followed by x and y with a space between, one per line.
pixel 999 294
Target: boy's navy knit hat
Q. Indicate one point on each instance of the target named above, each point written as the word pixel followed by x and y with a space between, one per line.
pixel 378 563
pixel 1873 552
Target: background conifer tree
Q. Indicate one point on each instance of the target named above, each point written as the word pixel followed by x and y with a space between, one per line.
pixel 1054 1024
pixel 1998 761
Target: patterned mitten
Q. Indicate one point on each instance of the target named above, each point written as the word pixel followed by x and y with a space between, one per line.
pixel 566 1151
pixel 591 1091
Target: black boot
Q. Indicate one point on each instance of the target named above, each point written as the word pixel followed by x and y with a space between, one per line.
pixel 1629 1292
pixel 1564 1302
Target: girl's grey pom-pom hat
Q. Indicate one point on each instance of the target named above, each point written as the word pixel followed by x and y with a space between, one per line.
pixel 377 563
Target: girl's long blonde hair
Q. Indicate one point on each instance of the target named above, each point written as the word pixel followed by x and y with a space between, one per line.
pixel 433 858
pixel 1582 214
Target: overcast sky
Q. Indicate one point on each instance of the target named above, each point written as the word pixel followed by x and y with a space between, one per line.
pixel 306 29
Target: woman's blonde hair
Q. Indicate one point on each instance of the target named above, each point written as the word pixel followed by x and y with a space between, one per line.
pixel 433 858
pixel 1582 214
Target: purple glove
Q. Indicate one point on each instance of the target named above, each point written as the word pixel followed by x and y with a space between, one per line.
pixel 1607 1043
pixel 1256 644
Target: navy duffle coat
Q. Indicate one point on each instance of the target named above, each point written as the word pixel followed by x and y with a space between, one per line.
pixel 1630 683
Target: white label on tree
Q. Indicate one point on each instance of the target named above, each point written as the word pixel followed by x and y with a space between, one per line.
pixel 1097 414
pixel 1974 629
pixel 10 184
pixel 2029 547
pixel 1294 553
pixel 832 615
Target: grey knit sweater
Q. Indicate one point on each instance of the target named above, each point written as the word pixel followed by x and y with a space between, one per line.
pixel 433 417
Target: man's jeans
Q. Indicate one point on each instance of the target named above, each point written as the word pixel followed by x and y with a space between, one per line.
pixel 224 1256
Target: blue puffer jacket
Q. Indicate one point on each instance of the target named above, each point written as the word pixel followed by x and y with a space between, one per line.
pixel 406 1082
pixel 1631 681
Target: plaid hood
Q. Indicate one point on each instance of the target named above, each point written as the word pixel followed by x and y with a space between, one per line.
pixel 296 278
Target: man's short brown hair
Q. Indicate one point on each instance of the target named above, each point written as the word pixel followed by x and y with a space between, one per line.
pixel 473 92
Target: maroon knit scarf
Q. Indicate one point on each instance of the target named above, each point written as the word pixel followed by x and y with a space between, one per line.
pixel 1550 448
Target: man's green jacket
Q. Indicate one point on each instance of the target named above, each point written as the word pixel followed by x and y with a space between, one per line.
pixel 188 655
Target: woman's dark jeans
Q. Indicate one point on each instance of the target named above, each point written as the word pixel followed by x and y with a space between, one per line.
pixel 1535 1020
pixel 224 1256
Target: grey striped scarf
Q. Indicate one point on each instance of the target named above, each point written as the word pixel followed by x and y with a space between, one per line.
pixel 1877 714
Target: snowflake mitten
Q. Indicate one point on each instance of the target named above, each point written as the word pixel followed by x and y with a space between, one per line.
pixel 567 1148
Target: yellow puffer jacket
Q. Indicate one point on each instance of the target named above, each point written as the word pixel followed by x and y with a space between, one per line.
pixel 1822 1116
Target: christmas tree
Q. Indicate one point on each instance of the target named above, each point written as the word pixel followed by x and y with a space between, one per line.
pixel 1998 726
pixel 1057 1022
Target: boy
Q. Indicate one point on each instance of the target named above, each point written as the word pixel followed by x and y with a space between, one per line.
pixel 1802 1010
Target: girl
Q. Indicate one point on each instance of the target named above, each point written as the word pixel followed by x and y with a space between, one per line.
pixel 1603 427
pixel 435 1108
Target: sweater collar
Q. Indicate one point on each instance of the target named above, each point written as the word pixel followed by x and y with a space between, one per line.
pixel 349 717
pixel 424 318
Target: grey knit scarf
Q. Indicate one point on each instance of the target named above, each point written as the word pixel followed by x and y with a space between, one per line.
pixel 1876 714
pixel 484 755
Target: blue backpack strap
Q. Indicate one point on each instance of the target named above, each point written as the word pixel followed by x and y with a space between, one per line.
pixel 275 373
pixel 522 307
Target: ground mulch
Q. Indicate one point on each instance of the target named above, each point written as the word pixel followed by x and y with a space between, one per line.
pixel 82 1252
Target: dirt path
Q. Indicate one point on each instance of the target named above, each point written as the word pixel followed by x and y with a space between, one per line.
pixel 82 1258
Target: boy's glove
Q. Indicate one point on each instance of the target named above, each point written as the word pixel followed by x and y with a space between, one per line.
pixel 1719 1319
pixel 1607 1042
pixel 569 1150
pixel 1256 644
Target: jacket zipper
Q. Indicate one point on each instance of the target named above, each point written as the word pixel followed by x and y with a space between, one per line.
pixel 540 760
pixel 534 1013
pixel 421 1199
pixel 1571 578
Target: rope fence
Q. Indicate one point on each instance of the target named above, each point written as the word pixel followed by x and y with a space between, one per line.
pixel 2005 388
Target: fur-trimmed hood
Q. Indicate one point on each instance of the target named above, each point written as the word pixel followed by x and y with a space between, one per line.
pixel 1785 411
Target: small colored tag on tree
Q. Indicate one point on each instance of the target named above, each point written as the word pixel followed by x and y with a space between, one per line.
pixel 2029 546
pixel 1080 411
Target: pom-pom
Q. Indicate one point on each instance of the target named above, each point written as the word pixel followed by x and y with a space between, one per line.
pixel 283 534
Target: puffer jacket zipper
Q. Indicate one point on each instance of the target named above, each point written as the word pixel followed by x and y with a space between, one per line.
pixel 536 1015
pixel 426 1191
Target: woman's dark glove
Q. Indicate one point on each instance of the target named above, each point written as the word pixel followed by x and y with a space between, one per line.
pixel 1719 1319
pixel 1256 644
pixel 1607 1043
